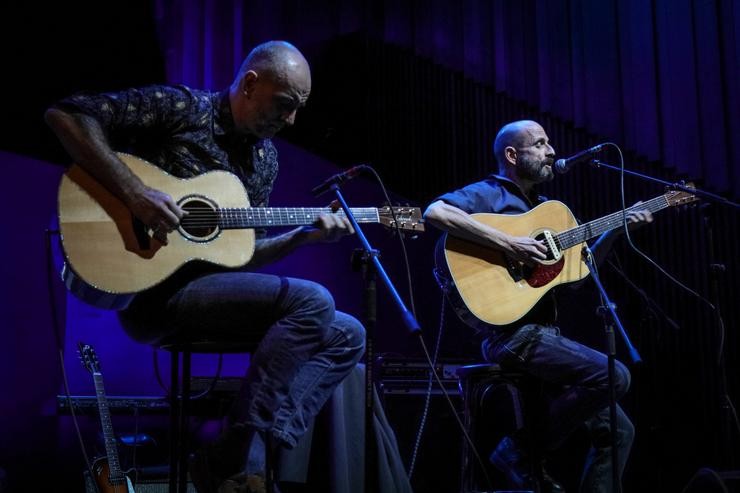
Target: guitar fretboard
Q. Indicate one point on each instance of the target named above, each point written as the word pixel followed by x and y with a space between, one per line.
pixel 116 476
pixel 585 232
pixel 250 217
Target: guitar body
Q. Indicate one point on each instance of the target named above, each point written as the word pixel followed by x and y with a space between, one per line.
pixel 114 253
pixel 499 291
pixel 110 255
pixel 104 482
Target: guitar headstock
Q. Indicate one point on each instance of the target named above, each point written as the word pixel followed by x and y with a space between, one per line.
pixel 409 218
pixel 680 197
pixel 88 358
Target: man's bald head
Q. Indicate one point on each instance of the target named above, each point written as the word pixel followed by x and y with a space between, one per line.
pixel 524 153
pixel 272 84
pixel 515 134
pixel 279 61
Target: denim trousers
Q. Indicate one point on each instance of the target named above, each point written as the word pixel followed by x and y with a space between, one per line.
pixel 576 390
pixel 304 347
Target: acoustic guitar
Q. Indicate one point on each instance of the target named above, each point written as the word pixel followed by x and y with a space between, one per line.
pixel 107 470
pixel 497 290
pixel 111 255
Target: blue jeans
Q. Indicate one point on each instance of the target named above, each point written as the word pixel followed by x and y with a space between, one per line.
pixel 577 385
pixel 305 349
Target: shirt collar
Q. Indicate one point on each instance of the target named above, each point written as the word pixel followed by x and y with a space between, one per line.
pixel 533 198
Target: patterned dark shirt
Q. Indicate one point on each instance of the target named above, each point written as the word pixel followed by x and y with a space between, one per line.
pixel 184 131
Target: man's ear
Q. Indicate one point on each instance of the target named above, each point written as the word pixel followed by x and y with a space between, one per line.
pixel 249 82
pixel 510 155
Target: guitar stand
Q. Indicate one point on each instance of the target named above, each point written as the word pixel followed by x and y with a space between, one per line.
pixel 608 312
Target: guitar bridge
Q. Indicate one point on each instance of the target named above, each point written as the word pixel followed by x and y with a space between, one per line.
pixel 552 246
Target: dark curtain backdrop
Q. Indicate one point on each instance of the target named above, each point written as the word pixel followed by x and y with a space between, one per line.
pixel 658 77
pixel 419 89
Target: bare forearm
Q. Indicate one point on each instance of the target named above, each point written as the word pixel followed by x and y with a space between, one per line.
pixel 85 141
pixel 458 223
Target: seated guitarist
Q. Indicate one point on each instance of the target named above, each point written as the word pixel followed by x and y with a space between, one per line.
pixel 533 344
pixel 306 346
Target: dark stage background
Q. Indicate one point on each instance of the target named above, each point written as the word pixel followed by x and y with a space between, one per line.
pixel 418 89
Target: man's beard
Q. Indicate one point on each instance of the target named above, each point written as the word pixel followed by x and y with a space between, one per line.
pixel 534 170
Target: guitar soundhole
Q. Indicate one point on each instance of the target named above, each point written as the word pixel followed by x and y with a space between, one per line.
pixel 202 221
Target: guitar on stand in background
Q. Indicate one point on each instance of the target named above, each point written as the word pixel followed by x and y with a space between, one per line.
pixel 106 470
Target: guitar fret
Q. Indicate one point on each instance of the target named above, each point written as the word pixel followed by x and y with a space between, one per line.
pixel 585 232
pixel 285 216
pixel 107 426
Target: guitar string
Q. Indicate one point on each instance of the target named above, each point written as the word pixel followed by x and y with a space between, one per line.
pixel 575 235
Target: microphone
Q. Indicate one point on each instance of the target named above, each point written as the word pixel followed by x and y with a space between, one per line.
pixel 337 179
pixel 563 165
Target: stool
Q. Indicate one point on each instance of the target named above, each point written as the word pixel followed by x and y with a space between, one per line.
pixel 180 401
pixel 496 403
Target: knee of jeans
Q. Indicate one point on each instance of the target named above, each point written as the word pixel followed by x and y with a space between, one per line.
pixel 622 378
pixel 353 331
pixel 312 300
pixel 625 431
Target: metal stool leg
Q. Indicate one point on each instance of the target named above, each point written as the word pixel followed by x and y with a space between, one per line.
pixel 184 431
pixel 270 453
pixel 174 418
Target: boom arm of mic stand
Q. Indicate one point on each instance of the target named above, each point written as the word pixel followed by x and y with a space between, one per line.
pixel 408 318
pixel 700 193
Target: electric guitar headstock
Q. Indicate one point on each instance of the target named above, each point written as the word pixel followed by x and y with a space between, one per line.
pixel 88 358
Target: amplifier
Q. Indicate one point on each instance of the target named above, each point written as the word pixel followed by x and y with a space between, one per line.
pixel 415 368
pixel 116 404
pixel 209 397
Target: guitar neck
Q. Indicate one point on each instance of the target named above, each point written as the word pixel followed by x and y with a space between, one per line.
pixel 116 475
pixel 585 232
pixel 256 217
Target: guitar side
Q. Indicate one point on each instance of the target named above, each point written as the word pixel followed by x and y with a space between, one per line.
pixel 112 252
pixel 102 479
pixel 483 277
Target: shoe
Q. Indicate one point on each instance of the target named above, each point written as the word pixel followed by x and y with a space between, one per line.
pixel 210 466
pixel 516 466
pixel 243 483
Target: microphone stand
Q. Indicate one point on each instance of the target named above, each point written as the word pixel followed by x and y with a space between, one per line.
pixel 608 312
pixel 715 270
pixel 371 267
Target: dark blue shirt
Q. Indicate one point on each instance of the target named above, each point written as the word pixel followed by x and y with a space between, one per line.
pixel 496 194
